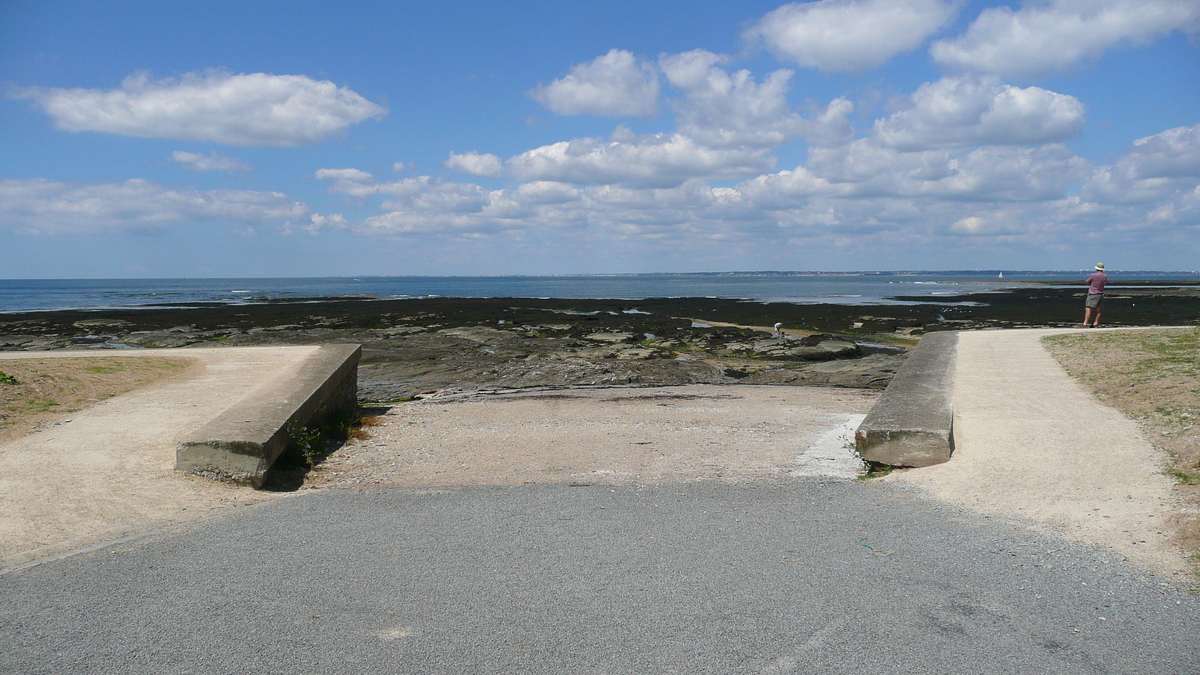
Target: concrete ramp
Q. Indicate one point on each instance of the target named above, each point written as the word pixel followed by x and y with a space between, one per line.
pixel 912 424
pixel 243 442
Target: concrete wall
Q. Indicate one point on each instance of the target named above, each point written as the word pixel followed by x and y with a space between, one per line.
pixel 912 423
pixel 243 443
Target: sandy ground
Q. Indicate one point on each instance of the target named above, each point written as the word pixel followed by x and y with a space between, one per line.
pixel 608 435
pixel 1033 445
pixel 108 472
pixel 48 388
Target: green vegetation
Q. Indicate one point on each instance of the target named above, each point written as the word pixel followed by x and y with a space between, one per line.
pixel 1184 477
pixel 876 471
pixel 106 368
pixel 40 405
pixel 5 378
pixel 309 446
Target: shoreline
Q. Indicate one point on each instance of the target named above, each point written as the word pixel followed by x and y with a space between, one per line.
pixel 420 346
pixel 42 295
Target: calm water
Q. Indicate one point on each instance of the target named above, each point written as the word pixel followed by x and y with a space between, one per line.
pixel 43 294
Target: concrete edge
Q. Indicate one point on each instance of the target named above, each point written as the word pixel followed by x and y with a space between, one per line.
pixel 912 423
pixel 243 442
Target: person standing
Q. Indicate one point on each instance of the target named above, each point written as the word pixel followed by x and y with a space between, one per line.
pixel 1095 296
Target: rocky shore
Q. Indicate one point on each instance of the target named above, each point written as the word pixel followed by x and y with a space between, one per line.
pixel 416 347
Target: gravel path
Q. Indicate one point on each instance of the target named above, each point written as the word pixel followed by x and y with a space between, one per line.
pixel 1033 444
pixel 108 471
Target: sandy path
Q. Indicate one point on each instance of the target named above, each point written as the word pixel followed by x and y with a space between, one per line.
pixel 109 471
pixel 617 435
pixel 1033 444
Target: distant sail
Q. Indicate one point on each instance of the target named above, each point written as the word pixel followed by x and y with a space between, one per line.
pixel 1002 275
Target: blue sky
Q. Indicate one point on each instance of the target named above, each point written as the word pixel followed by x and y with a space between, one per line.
pixel 147 139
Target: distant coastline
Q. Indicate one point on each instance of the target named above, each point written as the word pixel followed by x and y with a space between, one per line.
pixel 854 288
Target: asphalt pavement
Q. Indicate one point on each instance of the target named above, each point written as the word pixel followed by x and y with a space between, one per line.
pixel 800 575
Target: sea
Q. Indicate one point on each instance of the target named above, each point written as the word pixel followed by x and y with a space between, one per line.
pixel 22 295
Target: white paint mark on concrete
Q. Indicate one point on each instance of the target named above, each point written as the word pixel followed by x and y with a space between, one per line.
pixel 791 662
pixel 833 455
pixel 395 633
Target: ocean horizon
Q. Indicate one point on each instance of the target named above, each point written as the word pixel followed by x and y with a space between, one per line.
pixel 865 287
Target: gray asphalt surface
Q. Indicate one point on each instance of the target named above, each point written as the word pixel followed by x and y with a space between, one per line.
pixel 791 576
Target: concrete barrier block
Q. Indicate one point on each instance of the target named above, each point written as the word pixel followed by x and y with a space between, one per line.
pixel 912 423
pixel 242 444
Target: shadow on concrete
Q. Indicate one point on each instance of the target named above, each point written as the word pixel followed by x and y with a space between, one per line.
pixel 311 446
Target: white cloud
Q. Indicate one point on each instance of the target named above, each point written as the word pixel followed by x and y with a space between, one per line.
pixel 969 111
pixel 849 35
pixel 917 200
pixel 254 109
pixel 989 173
pixel 1170 154
pixel 319 222
pixel 721 110
pixel 475 164
pixel 547 192
pixel 1157 168
pixel 421 193
pixel 50 207
pixel 616 84
pixel 210 162
pixel 349 181
pixel 657 160
pixel 1060 34
pixel 832 126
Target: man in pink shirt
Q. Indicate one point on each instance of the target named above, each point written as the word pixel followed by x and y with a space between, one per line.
pixel 1095 295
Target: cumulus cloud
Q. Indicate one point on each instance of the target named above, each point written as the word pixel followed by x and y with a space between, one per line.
pixel 210 162
pixel 989 194
pixel 1060 34
pixel 970 111
pixel 1155 168
pixel 849 35
pixel 991 173
pixel 656 160
pixel 421 193
pixel 723 110
pixel 50 207
pixel 475 164
pixel 253 109
pixel 616 84
pixel 1173 153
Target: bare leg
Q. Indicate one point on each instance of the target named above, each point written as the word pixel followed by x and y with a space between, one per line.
pixel 1087 315
pixel 1096 323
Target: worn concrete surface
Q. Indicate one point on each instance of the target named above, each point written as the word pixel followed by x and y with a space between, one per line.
pixel 109 471
pixel 1033 444
pixel 605 435
pixel 243 442
pixel 912 424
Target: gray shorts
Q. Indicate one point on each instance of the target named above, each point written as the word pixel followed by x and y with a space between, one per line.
pixel 1094 300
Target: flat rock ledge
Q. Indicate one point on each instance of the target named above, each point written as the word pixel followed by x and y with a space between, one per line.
pixel 243 442
pixel 912 423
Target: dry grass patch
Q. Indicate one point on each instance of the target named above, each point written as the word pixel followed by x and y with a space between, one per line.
pixel 33 391
pixel 1152 376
